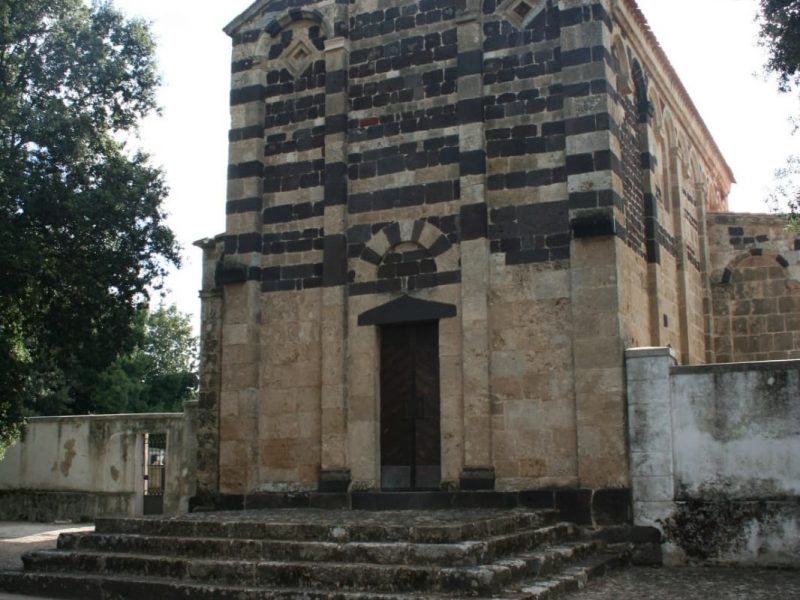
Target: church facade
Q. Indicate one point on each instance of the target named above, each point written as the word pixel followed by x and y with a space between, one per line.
pixel 446 221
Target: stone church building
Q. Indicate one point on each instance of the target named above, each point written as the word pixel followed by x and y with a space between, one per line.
pixel 446 222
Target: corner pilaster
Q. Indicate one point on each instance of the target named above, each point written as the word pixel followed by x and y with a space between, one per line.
pixel 334 473
pixel 478 470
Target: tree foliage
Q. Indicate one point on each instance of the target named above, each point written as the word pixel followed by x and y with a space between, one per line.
pixel 158 373
pixel 780 34
pixel 786 191
pixel 82 229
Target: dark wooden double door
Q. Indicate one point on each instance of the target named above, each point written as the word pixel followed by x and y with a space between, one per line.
pixel 410 411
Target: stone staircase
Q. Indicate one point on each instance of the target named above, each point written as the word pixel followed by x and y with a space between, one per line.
pixel 324 555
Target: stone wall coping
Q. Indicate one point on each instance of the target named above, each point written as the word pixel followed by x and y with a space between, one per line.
pixel 120 417
pixel 650 351
pixel 743 367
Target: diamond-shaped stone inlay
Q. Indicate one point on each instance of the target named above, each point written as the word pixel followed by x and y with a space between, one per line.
pixel 521 12
pixel 299 57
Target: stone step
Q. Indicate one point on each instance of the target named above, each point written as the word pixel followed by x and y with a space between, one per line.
pixel 362 526
pixel 570 579
pixel 95 587
pixel 468 553
pixel 487 578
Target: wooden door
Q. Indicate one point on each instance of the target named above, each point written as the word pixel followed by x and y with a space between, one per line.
pixel 410 413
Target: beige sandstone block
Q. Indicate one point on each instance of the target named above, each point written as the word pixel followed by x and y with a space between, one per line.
pixel 477 439
pixel 598 352
pixel 608 380
pixel 448 261
pixel 506 468
pixel 600 408
pixel 280 426
pixel 362 408
pixel 279 402
pixel 240 354
pixel 230 452
pixel 532 467
pixel 233 479
pixel 333 451
pixel 332 395
pixel 597 300
pixel 506 388
pixel 229 402
pixel 234 428
pixel 364 377
pixel 276 453
pixel 288 376
pixel 239 376
pixel 593 252
pixel 363 450
pixel 333 421
pixel 308 399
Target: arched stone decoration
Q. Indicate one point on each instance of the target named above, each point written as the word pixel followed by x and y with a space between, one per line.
pixel 295 40
pixel 293 16
pixel 756 307
pixel 624 82
pixel 404 236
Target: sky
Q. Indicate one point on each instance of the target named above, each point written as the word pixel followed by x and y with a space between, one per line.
pixel 712 44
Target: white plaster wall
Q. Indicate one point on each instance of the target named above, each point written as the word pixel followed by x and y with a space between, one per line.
pixel 54 455
pixel 737 432
pixel 101 454
pixel 716 442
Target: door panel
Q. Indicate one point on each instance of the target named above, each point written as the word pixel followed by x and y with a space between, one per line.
pixel 410 428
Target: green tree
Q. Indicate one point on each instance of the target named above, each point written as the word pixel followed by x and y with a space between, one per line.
pixel 158 373
pixel 779 22
pixel 780 34
pixel 82 229
pixel 786 191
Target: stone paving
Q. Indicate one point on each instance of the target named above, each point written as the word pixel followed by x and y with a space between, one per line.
pixel 694 583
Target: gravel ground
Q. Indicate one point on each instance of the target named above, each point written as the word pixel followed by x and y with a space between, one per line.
pixel 692 583
pixel 19 537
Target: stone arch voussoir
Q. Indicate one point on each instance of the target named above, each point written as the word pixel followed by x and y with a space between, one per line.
pixel 419 232
pixel 292 16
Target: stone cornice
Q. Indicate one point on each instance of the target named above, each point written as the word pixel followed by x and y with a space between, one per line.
pixel 233 27
pixel 630 16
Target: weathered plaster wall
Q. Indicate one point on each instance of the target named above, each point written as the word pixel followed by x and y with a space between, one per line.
pixel 84 466
pixel 713 457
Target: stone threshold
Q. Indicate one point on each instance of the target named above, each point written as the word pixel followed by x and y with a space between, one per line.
pixel 582 506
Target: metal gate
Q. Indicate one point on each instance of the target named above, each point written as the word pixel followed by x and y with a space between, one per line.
pixel 155 468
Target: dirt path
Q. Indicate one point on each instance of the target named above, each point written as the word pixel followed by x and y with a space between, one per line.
pixel 17 538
